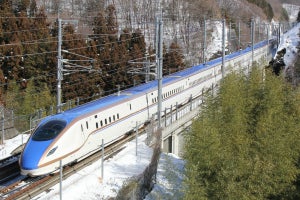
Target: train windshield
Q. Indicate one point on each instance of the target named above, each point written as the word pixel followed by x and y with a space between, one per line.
pixel 49 130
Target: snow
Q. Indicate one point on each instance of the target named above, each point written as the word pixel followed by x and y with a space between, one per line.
pixel 292 11
pixel 215 44
pixel 10 145
pixel 290 41
pixel 88 183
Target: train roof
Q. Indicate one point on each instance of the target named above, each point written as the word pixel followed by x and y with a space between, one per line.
pixel 73 113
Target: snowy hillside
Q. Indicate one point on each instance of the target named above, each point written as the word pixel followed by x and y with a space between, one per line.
pixel 290 41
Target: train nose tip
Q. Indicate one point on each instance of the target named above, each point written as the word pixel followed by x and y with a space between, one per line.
pixel 28 165
pixel 32 154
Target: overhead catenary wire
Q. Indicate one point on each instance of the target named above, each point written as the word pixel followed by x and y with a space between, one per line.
pixel 53 41
pixel 71 49
pixel 112 71
pixel 56 52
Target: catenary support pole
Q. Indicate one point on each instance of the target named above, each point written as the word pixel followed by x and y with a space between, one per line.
pixel 59 68
pixel 239 27
pixel 223 49
pixel 160 75
pixel 204 42
pixel 102 160
pixel 136 138
pixel 156 46
pixel 252 40
pixel 60 179
pixel 2 140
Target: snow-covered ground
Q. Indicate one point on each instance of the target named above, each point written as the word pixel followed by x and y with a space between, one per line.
pixel 215 44
pixel 290 41
pixel 292 11
pixel 10 145
pixel 88 183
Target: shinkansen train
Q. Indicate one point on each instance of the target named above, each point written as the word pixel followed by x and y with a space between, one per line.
pixel 74 134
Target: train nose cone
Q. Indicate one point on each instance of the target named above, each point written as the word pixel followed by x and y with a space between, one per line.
pixel 32 154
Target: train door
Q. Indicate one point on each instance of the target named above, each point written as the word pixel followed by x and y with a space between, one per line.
pixel 82 134
pixel 147 101
pixel 86 127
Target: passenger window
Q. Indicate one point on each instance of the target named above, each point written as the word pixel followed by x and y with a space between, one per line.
pixel 97 125
pixel 101 123
pixel 109 119
pixel 96 116
pixel 105 121
pixel 118 116
pixel 87 125
pixel 114 118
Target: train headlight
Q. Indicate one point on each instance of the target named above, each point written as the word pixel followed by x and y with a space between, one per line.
pixel 52 151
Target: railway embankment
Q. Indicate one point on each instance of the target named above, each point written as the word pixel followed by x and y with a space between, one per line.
pixel 138 187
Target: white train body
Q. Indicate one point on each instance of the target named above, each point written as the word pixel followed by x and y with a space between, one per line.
pixel 78 132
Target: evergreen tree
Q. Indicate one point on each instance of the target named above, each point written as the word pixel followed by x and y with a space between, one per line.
pixel 103 50
pixel 33 8
pixel 137 52
pixel 23 5
pixel 30 99
pixel 80 84
pixel 111 21
pixel 124 56
pixel 138 42
pixel 245 143
pixel 40 32
pixel 2 87
pixel 11 60
pixel 113 68
pixel 173 59
pixel 114 52
pixel 13 96
pixel 28 36
pixel 27 48
pixel 44 100
pixel 100 27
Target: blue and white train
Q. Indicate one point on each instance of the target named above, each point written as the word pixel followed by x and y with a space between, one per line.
pixel 76 133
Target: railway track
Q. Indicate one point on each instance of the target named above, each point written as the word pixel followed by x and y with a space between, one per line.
pixel 9 168
pixel 28 187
